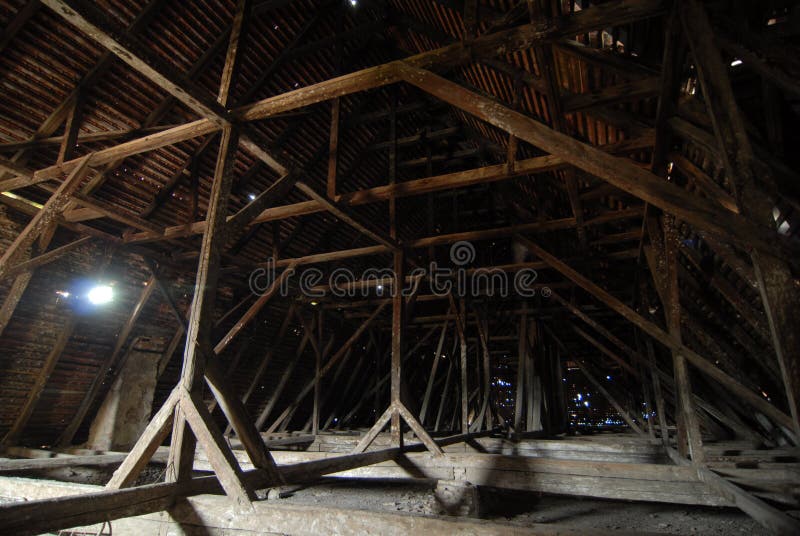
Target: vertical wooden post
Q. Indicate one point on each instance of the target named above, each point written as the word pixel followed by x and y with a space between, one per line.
pixel 483 336
pixel 333 149
pixel 462 325
pixel 333 142
pixel 397 345
pixel 522 357
pixel 689 441
pixel 532 393
pixel 198 334
pixel 317 367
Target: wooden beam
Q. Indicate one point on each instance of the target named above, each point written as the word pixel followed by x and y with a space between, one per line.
pixel 232 58
pixel 13 434
pixel 87 506
pixel 346 216
pixel 91 21
pixel 335 358
pixel 287 374
pixel 333 149
pixel 505 42
pixel 660 335
pixel 398 322
pixel 46 216
pixel 626 92
pixel 603 391
pixel 779 292
pixel 151 438
pixel 620 172
pixel 434 366
pixel 111 361
pixel 23 15
pixel 46 258
pixel 768 516
pixel 254 309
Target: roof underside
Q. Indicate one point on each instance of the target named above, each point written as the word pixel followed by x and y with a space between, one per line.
pixel 291 45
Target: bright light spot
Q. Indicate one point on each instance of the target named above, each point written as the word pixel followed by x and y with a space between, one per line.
pixel 354 3
pixel 736 62
pixel 783 228
pixel 251 197
pixel 608 378
pixel 580 396
pixel 776 213
pixel 379 288
pixel 586 403
pixel 100 294
pixel 313 303
pixel 63 293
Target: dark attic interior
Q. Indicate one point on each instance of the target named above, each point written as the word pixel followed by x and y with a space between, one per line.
pixel 399 267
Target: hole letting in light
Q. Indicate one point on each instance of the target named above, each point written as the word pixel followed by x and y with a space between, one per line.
pixel 101 294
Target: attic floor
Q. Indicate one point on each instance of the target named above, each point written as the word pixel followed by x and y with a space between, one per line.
pixel 521 508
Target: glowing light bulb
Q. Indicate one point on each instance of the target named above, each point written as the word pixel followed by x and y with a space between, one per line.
pixel 100 295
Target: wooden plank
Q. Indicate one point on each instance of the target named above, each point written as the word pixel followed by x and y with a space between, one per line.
pixel 71 128
pixel 770 517
pixel 522 357
pixel 199 513
pixel 483 338
pixel 287 373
